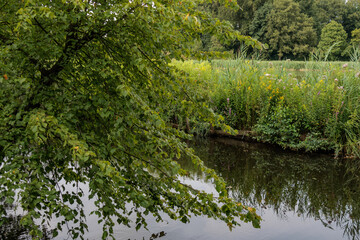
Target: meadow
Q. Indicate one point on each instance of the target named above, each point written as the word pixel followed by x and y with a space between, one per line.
pixel 301 105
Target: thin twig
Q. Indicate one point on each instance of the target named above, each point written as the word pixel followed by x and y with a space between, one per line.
pixel 3 5
pixel 44 30
pixel 147 57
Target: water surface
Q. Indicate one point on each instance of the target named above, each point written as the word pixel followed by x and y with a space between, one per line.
pixel 298 196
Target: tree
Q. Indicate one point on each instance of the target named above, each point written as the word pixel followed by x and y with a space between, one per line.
pixel 218 10
pixel 289 32
pixel 215 45
pixel 352 18
pixel 355 40
pixel 249 20
pixel 305 6
pixel 333 38
pixel 84 91
pixel 257 29
pixel 324 11
pixel 353 49
pixel 245 15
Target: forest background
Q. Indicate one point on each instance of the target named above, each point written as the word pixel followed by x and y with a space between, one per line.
pixel 291 29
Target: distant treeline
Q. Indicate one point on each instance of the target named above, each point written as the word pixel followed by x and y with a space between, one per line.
pixel 292 29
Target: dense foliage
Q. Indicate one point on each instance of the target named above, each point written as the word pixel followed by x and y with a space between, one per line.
pixel 333 40
pixel 85 88
pixel 289 32
pixel 288 23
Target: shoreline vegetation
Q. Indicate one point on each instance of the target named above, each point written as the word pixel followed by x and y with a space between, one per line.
pixel 299 105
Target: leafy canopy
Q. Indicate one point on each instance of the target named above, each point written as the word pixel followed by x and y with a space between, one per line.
pixel 333 39
pixel 355 40
pixel 84 90
pixel 289 31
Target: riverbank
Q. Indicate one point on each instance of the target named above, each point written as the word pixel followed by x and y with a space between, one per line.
pixel 300 110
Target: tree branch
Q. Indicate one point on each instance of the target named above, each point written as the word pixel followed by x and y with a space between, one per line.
pixel 72 45
pixel 147 57
pixel 44 30
pixel 3 5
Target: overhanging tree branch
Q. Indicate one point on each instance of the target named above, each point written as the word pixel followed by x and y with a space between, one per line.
pixel 42 28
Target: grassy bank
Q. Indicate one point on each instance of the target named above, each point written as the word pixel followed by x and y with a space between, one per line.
pixel 298 105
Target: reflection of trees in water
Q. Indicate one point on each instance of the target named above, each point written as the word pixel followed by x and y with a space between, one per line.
pixel 11 229
pixel 312 186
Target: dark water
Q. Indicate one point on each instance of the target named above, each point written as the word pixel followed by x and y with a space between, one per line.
pixel 298 196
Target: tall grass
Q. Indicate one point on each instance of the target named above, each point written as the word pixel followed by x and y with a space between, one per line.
pixel 299 105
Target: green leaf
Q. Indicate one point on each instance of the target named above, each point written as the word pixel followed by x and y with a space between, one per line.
pixel 91 97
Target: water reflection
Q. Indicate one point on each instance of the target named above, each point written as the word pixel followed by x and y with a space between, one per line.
pixel 294 193
pixel 11 229
pixel 310 186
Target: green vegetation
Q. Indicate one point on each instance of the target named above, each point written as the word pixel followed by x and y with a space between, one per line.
pixel 88 94
pixel 355 40
pixel 292 29
pixel 333 39
pixel 314 108
pixel 85 89
pixel 289 32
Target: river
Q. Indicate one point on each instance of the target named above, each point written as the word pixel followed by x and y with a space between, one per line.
pixel 298 196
